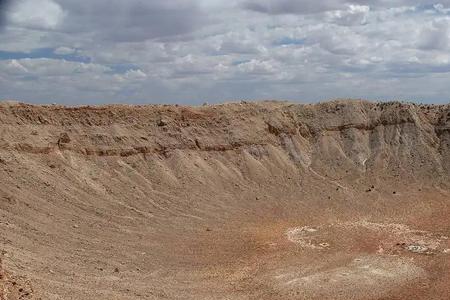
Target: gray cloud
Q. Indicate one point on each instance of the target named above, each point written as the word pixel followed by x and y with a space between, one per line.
pixel 292 6
pixel 42 15
pixel 435 37
pixel 307 7
pixel 4 5
pixel 131 20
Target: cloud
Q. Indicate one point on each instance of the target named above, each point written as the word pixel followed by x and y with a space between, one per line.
pixel 195 50
pixel 353 15
pixel 14 67
pixel 4 6
pixel 132 75
pixel 64 51
pixel 44 67
pixel 49 79
pixel 291 6
pixel 275 7
pixel 132 20
pixel 43 14
pixel 435 36
pixel 257 67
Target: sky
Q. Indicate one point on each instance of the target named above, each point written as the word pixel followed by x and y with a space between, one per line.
pixel 194 51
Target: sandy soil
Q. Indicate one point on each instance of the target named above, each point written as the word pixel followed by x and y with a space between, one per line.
pixel 269 200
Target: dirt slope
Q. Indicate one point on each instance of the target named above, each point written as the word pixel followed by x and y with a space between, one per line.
pixel 270 200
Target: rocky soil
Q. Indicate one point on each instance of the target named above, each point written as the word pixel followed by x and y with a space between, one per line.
pixel 268 200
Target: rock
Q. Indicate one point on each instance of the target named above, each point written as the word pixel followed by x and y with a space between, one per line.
pixel 417 249
pixel 162 122
pixel 64 138
pixel 324 245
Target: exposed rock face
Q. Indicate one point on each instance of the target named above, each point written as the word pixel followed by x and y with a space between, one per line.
pixel 195 202
pixel 360 135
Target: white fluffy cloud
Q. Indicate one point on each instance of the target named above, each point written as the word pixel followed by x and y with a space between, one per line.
pixel 353 15
pixel 196 50
pixel 64 51
pixel 42 14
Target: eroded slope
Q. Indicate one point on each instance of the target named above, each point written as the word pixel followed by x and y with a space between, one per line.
pixel 218 202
